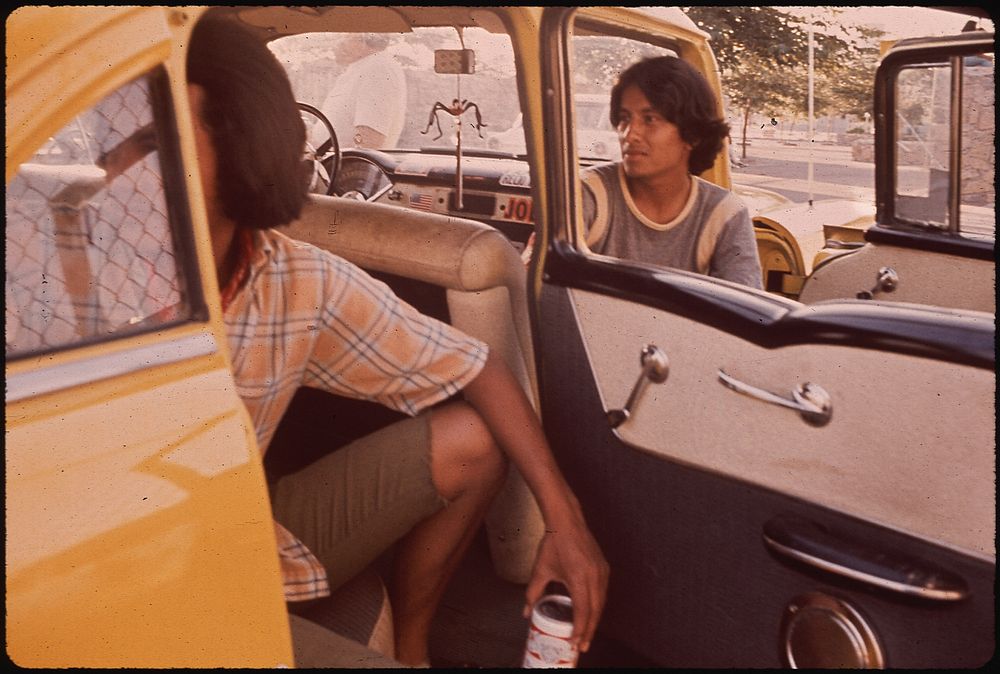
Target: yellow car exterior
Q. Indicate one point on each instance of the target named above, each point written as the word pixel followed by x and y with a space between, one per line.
pixel 138 528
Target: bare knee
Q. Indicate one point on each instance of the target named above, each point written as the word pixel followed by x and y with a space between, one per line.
pixel 464 455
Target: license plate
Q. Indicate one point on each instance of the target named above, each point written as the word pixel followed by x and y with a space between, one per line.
pixel 513 209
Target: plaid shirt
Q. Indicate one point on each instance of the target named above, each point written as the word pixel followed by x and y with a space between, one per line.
pixel 300 316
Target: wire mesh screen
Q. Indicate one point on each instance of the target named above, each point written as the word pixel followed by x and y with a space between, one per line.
pixel 89 252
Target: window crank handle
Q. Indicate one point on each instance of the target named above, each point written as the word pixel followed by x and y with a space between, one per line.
pixel 655 368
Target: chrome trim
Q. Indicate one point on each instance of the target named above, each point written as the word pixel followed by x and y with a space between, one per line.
pixel 855 574
pixel 810 400
pixel 867 650
pixel 886 280
pixel 843 245
pixel 48 379
pixel 655 368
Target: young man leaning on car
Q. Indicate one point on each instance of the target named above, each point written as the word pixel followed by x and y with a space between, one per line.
pixel 297 315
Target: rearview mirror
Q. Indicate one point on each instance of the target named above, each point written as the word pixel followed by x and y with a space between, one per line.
pixel 454 61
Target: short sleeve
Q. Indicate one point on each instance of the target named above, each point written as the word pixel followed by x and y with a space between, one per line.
pixel 373 346
pixel 735 257
pixel 596 214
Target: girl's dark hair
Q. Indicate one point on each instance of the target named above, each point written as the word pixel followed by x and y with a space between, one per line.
pixel 678 92
pixel 254 122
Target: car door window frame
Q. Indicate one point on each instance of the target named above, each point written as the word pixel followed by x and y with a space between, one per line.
pixel 178 221
pixel 894 228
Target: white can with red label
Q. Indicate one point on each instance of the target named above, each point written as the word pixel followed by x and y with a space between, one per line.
pixel 549 634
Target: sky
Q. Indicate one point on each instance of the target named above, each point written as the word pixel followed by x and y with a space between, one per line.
pixel 899 21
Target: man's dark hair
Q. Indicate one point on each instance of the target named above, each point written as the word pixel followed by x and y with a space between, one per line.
pixel 254 122
pixel 683 97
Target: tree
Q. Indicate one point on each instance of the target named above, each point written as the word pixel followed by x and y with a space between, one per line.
pixel 845 84
pixel 763 55
pixel 759 55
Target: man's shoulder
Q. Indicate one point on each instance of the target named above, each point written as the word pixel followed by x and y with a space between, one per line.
pixel 284 246
pixel 605 171
pixel 606 174
pixel 710 188
pixel 713 194
pixel 287 253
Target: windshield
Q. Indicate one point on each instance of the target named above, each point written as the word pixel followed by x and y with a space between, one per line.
pixel 386 81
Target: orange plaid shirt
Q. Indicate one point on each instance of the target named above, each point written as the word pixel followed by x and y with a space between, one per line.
pixel 301 316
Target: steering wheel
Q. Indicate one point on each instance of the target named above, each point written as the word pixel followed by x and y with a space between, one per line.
pixel 325 158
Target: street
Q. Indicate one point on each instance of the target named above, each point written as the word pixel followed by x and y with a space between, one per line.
pixel 783 167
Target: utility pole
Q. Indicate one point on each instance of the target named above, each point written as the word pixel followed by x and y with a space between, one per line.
pixel 810 135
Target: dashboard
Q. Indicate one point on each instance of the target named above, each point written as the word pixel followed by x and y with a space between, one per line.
pixel 495 190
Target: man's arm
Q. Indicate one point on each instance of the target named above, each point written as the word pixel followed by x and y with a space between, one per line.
pixel 568 552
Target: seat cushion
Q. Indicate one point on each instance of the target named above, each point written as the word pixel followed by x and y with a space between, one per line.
pixel 359 610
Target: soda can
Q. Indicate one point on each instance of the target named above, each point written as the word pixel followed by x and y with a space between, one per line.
pixel 548 635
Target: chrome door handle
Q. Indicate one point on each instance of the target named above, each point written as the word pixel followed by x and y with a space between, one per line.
pixel 810 400
pixel 655 368
pixel 807 542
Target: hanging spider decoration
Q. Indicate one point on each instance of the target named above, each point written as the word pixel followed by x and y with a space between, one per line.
pixel 457 109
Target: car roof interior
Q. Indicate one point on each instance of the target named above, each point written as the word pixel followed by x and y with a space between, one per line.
pixel 273 22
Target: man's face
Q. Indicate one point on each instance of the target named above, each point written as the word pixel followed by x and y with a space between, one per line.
pixel 652 147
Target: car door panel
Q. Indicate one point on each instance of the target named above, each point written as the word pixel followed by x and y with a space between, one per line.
pixel 693 582
pixel 937 278
pixel 888 453
pixel 935 201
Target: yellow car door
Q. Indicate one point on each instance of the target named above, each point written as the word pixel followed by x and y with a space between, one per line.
pixel 138 528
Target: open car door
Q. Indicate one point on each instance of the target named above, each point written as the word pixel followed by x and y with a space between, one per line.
pixel 773 483
pixel 137 522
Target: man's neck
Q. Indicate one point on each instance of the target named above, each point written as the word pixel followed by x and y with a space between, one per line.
pixel 661 199
pixel 223 234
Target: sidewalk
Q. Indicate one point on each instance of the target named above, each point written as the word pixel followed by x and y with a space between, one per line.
pixel 763 153
pixel 822 153
pixel 820 190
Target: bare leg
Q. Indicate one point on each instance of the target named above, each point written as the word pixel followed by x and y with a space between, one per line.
pixel 468 469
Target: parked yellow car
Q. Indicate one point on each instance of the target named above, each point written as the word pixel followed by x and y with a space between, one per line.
pixel 812 484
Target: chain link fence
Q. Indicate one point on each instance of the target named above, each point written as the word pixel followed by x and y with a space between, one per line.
pixel 89 252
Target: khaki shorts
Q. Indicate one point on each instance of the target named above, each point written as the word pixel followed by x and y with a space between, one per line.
pixel 354 503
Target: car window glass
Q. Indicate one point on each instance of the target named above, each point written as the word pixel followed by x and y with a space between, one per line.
pixel 89 249
pixel 978 203
pixel 598 60
pixel 387 81
pixel 921 145
pixel 923 151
